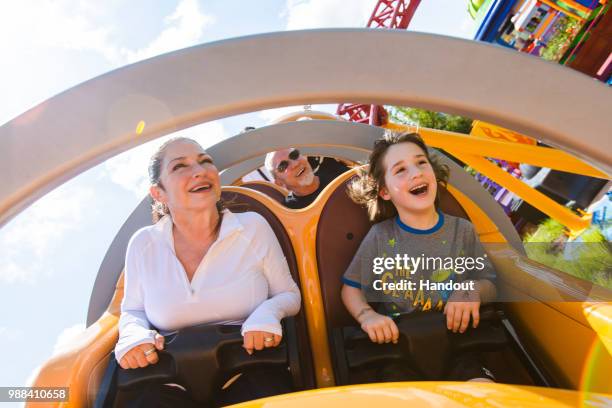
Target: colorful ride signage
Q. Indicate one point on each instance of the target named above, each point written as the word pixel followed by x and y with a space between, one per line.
pixel 484 129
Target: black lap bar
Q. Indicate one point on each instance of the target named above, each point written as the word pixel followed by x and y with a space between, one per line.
pixel 425 343
pixel 201 358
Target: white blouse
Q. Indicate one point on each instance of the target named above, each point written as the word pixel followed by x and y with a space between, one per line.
pixel 244 274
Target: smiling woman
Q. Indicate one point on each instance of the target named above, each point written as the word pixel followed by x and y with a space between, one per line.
pixel 176 168
pixel 179 273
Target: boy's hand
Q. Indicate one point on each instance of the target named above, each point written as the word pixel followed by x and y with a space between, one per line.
pixel 461 305
pixel 381 329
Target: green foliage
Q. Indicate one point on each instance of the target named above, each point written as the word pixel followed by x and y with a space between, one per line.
pixel 584 32
pixel 566 28
pixel 469 170
pixel 430 119
pixel 548 231
pixel 477 9
pixel 589 258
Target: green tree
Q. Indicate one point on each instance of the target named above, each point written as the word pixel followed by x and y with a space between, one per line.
pixel 430 119
pixel 566 29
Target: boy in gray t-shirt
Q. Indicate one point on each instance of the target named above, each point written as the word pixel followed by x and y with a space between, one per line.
pixel 428 265
pixel 414 257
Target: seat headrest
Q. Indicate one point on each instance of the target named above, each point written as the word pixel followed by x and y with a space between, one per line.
pixel 268 189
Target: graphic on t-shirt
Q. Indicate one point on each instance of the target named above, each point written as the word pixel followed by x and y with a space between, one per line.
pixel 406 270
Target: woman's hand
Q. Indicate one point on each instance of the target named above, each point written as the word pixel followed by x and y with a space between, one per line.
pixel 258 340
pixel 380 328
pixel 461 305
pixel 143 354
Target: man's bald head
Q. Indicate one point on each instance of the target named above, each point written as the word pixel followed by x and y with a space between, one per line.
pixel 293 173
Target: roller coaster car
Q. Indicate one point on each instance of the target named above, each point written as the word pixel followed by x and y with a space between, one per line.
pixel 203 358
pixel 556 332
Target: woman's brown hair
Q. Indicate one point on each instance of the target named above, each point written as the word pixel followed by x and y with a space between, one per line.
pixel 158 210
pixel 365 188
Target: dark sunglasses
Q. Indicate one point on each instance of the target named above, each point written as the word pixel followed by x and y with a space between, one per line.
pixel 282 166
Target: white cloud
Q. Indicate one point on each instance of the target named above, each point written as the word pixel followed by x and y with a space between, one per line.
pixel 304 14
pixel 32 236
pixel 80 25
pixel 207 134
pixel 65 339
pixel 129 169
pixel 68 24
pixel 37 33
pixel 9 335
pixel 184 28
pixel 11 271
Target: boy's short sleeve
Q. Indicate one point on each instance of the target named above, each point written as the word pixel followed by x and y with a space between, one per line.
pixel 475 249
pixel 359 272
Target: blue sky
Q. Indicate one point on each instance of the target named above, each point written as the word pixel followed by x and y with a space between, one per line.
pixel 51 252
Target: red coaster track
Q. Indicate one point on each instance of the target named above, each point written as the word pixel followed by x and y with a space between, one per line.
pixel 393 14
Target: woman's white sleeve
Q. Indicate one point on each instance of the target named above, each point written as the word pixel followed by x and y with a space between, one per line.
pixel 284 294
pixel 134 328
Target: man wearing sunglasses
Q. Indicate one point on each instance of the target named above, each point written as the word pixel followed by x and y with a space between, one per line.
pixel 304 177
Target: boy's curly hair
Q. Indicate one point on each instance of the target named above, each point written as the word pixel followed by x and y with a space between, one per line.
pixel 365 188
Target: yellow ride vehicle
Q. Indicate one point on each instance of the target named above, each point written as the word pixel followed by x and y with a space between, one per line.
pixel 555 347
